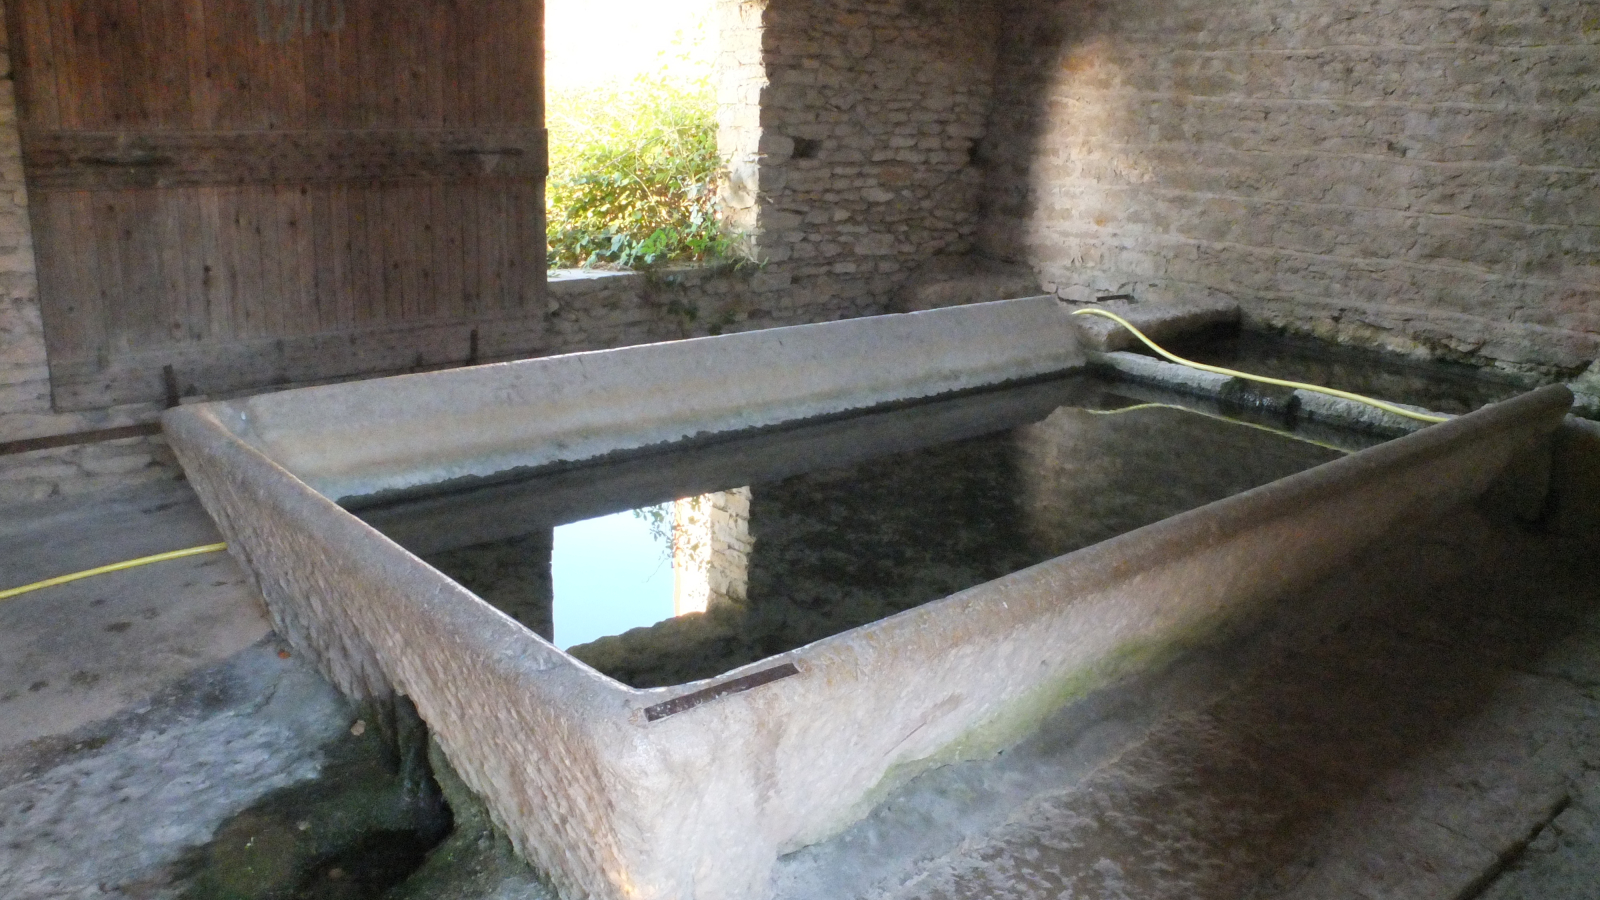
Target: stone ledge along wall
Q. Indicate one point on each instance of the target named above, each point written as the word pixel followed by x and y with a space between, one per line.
pixel 1417 175
pixel 848 125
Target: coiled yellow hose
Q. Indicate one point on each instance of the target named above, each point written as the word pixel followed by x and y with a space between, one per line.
pixel 1300 385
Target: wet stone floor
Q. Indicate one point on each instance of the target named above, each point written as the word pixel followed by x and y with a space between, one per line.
pixel 1425 725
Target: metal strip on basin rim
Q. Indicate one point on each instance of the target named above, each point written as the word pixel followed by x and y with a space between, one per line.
pixel 615 803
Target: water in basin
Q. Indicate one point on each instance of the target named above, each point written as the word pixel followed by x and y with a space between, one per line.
pixel 681 563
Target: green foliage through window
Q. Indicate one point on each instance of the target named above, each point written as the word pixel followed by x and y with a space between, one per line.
pixel 633 174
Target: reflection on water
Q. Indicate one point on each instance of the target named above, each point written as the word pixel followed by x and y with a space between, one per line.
pixel 625 570
pixel 1453 388
pixel 710 550
pixel 608 574
pixel 841 523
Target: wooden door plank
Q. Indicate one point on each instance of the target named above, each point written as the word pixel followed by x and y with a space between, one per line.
pixel 337 254
pixel 158 75
pixel 103 228
pixel 173 225
pixel 271 282
pixel 70 269
pixel 389 253
pixel 473 298
pixel 255 192
pixel 116 30
pixel 403 236
pixel 243 239
pixel 216 272
pixel 447 250
pixel 319 255
pixel 367 267
pixel 33 60
pixel 305 260
pixel 135 320
pixel 83 80
pixel 198 61
pixel 424 233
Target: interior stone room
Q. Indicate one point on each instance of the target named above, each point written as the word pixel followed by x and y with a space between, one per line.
pixel 968 594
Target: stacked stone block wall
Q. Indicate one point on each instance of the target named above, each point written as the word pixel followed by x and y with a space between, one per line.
pixel 850 143
pixel 1420 175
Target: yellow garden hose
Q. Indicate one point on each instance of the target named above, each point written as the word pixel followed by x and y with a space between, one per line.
pixel 1195 412
pixel 114 567
pixel 1218 370
pixel 1386 407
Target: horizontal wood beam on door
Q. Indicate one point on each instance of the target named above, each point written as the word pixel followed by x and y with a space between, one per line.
pixel 117 160
pixel 225 369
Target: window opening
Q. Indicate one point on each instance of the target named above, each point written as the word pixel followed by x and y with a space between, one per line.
pixel 632 114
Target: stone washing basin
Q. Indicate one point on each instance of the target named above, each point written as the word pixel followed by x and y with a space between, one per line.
pixel 693 791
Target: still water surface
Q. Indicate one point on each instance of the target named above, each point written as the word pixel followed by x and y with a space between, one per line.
pixel 766 542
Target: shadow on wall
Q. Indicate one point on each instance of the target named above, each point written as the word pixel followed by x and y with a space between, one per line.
pixel 1031 167
pixel 1373 173
pixel 1069 136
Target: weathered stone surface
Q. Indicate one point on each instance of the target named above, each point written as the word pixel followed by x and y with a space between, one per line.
pixel 1161 322
pixel 849 131
pixel 968 278
pixel 118 809
pixel 640 812
pixel 1561 861
pixel 1586 391
pixel 81 652
pixel 1407 174
pixel 1405 753
pixel 1575 480
pixel 346 439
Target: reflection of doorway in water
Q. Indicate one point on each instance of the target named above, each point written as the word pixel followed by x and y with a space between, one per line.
pixel 710 550
pixel 635 568
pixel 610 574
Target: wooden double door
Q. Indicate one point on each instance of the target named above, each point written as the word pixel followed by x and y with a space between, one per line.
pixel 230 194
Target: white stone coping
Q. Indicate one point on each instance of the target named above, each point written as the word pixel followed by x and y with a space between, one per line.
pixel 699 804
pixel 364 437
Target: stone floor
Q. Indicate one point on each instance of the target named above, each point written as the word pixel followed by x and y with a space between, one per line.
pixel 1425 725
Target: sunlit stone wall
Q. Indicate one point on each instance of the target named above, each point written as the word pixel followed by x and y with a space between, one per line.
pixel 849 128
pixel 711 550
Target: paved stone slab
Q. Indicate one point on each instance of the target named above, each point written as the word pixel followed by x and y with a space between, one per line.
pixel 1404 754
pixel 81 652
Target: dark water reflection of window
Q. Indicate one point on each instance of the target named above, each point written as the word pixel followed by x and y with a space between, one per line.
pixel 846 522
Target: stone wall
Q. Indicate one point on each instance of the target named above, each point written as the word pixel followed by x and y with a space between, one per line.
pixel 1419 175
pixel 711 546
pixel 849 127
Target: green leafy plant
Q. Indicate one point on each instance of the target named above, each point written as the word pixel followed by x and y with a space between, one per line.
pixel 662 521
pixel 633 174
